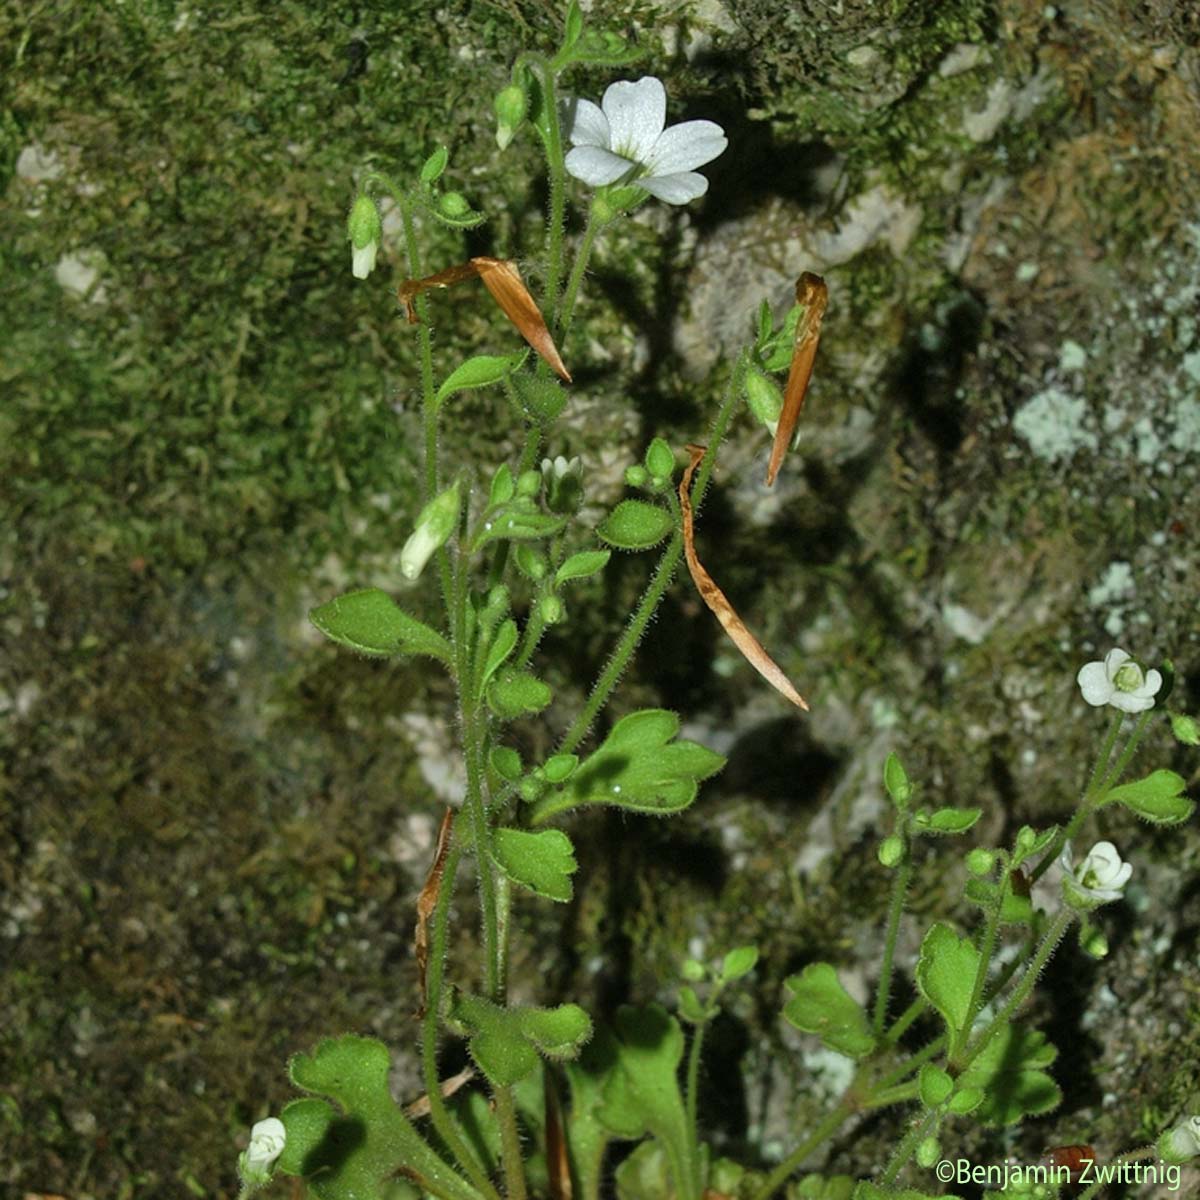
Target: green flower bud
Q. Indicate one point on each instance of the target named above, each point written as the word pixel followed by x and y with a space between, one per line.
pixel 928 1152
pixel 529 484
pixel 551 609
pixel 891 851
pixel 510 107
pixel 453 204
pixel 434 527
pixel 365 231
pixel 980 862
pixel 564 484
pixel 637 476
pixel 764 398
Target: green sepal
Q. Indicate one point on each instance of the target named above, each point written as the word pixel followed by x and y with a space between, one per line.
pixel 530 562
pixel 819 1004
pixel 1156 798
pixel 503 486
pixel 1009 1072
pixel 766 324
pixel 738 962
pixel 778 350
pixel 636 525
pixel 502 646
pixel 542 862
pixel 453 210
pixel 518 520
pixel 506 762
pixel 543 398
pixel 946 820
pixel 1029 843
pixel 506 1042
pixel 574 25
pixel 434 165
pixel 965 1100
pixel 660 459
pixel 690 1008
pixel 935 1085
pixel 638 767
pixel 1186 729
pixel 895 780
pixel 558 768
pixel 479 371
pixel 946 974
pixel 581 565
pixel 371 622
pixel 515 693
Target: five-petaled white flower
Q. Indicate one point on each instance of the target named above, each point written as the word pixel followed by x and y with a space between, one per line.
pixel 267 1140
pixel 1101 876
pixel 1181 1143
pixel 623 139
pixel 1119 681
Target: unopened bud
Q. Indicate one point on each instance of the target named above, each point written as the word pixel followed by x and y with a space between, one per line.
pixel 434 527
pixel 365 231
pixel 510 106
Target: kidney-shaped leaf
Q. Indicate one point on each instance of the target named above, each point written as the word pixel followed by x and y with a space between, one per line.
pixel 819 1004
pixel 543 862
pixel 638 767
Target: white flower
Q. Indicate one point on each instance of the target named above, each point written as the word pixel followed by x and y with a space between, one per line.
pixel 435 524
pixel 267 1140
pixel 623 138
pixel 1119 681
pixel 1101 876
pixel 1181 1143
pixel 363 259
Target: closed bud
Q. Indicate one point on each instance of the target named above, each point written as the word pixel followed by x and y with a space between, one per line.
pixel 453 204
pixel 551 610
pixel 530 483
pixel 365 231
pixel 929 1150
pixel 891 851
pixel 434 527
pixel 510 107
pixel 764 398
pixel 637 476
pixel 980 862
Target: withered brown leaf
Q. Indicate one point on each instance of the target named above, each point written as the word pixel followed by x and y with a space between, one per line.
pixel 814 295
pixel 501 277
pixel 427 902
pixel 751 648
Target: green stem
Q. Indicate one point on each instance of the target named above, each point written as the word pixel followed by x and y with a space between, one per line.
pixel 898 1094
pixel 827 1127
pixel 907 1147
pixel 434 976
pixel 1127 754
pixel 913 1063
pixel 986 950
pixel 661 579
pixel 556 171
pixel 510 1144
pixel 578 270
pixel 693 1102
pixel 900 884
pixel 1049 943
pixel 900 1025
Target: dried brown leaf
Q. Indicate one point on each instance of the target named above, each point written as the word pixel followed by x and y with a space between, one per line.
pixel 814 295
pixel 751 648
pixel 420 1106
pixel 427 902
pixel 501 277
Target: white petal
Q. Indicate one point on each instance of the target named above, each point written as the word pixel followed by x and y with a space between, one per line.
pixel 675 189
pixel 596 166
pixel 588 125
pixel 686 147
pixel 1095 684
pixel 1114 660
pixel 1152 684
pixel 636 115
pixel 1130 702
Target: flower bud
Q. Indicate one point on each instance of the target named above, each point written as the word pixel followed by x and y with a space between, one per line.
pixel 434 527
pixel 980 862
pixel 365 231
pixel 564 484
pixel 637 475
pixel 267 1140
pixel 928 1152
pixel 510 106
pixel 550 609
pixel 891 851
pixel 764 398
pixel 530 483
pixel 453 204
pixel 1182 1143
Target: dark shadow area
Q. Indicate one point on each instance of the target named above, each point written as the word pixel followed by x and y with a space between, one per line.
pixel 931 368
pixel 778 763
